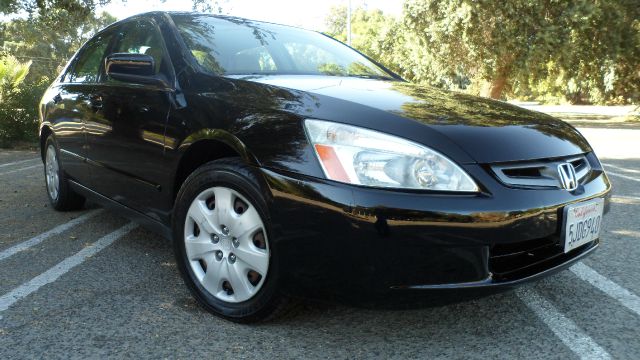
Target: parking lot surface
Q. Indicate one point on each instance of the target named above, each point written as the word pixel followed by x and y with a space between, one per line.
pixel 91 284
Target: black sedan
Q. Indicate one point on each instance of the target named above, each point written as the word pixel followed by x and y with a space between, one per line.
pixel 279 160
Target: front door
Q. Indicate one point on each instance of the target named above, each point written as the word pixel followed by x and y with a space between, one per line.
pixel 126 142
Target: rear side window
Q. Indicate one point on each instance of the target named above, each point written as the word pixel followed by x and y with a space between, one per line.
pixel 89 64
pixel 142 37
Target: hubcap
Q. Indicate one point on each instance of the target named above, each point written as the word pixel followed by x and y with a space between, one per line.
pixel 226 244
pixel 51 172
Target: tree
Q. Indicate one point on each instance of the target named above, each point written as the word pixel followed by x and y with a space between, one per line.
pixel 12 74
pixel 16 121
pixel 211 6
pixel 44 35
pixel 42 6
pixel 373 33
pixel 367 26
pixel 585 46
pixel 33 39
pixel 336 22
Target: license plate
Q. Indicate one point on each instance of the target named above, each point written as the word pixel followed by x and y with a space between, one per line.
pixel 582 223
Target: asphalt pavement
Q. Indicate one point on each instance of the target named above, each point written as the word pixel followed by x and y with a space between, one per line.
pixel 90 284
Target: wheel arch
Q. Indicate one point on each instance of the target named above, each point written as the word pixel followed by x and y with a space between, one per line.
pixel 205 146
pixel 45 132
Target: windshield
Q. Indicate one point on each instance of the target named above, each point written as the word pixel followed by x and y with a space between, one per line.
pixel 231 46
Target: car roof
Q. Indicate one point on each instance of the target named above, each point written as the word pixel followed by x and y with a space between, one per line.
pixel 151 14
pixel 165 14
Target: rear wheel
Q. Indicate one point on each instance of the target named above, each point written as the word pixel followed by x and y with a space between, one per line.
pixel 221 241
pixel 60 194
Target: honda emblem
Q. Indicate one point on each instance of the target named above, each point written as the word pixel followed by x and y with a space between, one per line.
pixel 568 179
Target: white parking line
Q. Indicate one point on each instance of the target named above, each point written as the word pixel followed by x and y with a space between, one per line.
pixel 61 268
pixel 622 169
pixel 21 169
pixel 18 162
pixel 622 176
pixel 40 238
pixel 626 197
pixel 624 296
pixel 565 329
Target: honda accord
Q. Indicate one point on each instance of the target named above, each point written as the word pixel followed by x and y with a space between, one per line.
pixel 278 159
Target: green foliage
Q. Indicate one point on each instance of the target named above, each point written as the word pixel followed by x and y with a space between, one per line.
pixel 549 50
pixel 19 116
pixel 33 37
pixel 42 6
pixel 374 34
pixel 12 74
pixel 368 27
pixel 45 40
pixel 18 113
pixel 210 6
pixel 576 48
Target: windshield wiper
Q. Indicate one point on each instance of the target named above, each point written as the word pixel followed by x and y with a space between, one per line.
pixel 371 76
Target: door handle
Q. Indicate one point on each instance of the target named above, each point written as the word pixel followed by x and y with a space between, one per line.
pixel 96 102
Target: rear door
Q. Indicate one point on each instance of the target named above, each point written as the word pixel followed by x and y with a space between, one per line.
pixel 126 142
pixel 73 106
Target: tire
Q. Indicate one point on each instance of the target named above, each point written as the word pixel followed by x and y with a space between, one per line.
pixel 221 242
pixel 60 194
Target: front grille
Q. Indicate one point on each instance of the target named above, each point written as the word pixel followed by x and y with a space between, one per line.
pixel 518 260
pixel 540 173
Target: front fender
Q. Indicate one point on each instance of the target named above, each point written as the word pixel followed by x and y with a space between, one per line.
pixel 223 137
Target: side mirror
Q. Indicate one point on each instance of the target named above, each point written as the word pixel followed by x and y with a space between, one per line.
pixel 133 68
pixel 129 64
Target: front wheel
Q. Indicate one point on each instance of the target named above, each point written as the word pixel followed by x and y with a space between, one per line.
pixel 222 243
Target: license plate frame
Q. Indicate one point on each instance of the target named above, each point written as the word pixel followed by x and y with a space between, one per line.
pixel 582 223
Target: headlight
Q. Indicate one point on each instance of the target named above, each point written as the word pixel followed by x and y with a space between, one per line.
pixel 358 156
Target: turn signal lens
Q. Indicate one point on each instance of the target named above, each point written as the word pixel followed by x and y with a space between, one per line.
pixel 331 163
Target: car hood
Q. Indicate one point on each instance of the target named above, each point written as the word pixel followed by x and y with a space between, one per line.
pixel 487 130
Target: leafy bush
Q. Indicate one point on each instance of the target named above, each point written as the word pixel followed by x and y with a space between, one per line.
pixel 577 51
pixel 18 102
pixel 12 74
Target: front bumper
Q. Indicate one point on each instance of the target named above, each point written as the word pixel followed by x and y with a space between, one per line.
pixel 332 235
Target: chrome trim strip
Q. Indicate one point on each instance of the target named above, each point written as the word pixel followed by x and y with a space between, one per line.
pixel 549 177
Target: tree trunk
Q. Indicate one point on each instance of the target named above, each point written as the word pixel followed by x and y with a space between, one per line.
pixel 494 88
